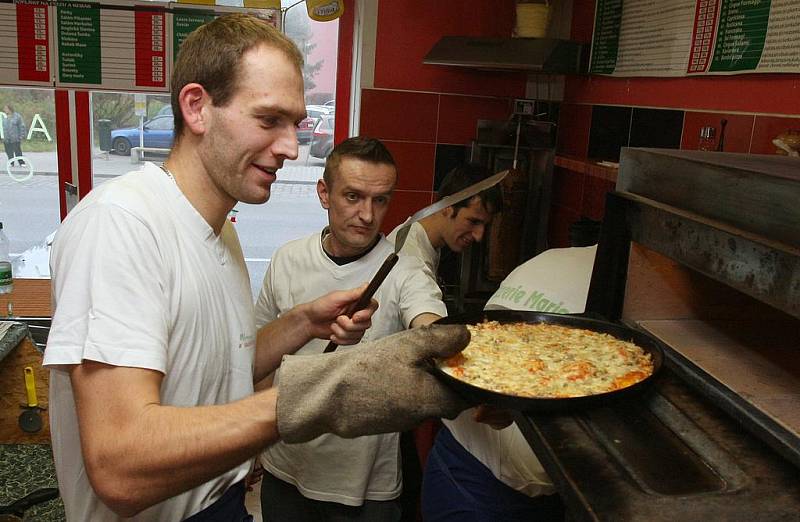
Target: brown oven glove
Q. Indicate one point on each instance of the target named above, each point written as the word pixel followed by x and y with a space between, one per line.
pixel 382 386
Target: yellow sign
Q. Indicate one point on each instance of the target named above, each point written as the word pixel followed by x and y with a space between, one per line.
pixel 140 104
pixel 262 4
pixel 324 10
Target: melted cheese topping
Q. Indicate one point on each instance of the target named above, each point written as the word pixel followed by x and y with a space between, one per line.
pixel 547 361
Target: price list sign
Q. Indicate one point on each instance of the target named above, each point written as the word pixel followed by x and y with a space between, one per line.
pixel 25 43
pixel 186 17
pixel 113 45
pixel 78 43
pixel 151 49
pixel 705 26
pixel 694 37
pixel 185 20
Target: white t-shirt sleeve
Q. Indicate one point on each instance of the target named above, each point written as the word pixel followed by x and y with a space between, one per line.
pixel 418 245
pixel 418 293
pixel 266 304
pixel 111 288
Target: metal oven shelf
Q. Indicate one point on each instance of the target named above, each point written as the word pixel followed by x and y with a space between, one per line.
pixel 750 369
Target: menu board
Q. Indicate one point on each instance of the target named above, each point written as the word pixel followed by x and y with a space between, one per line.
pixel 108 44
pixel 694 37
pixel 116 45
pixel 25 43
pixel 186 18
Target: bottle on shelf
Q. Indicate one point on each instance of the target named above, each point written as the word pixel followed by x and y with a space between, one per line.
pixel 6 281
pixel 707 141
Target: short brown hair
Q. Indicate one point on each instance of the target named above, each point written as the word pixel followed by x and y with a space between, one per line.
pixel 211 54
pixel 462 177
pixel 359 147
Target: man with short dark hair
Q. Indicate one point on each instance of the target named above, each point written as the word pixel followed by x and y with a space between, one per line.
pixel 330 476
pixel 456 226
pixel 153 347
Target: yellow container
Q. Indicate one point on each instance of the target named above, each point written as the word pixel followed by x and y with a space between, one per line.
pixel 532 20
pixel 324 10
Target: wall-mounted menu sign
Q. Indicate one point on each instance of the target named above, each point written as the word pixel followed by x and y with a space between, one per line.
pixel 112 44
pixel 186 18
pixel 116 45
pixel 695 37
pixel 25 43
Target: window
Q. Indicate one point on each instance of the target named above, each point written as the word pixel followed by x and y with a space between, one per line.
pixel 123 136
pixel 29 205
pixel 293 210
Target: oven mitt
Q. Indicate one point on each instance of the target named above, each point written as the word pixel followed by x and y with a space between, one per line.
pixel 382 386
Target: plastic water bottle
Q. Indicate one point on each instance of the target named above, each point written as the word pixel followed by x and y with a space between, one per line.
pixel 6 281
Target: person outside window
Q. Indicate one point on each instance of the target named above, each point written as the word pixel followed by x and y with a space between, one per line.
pixel 13 134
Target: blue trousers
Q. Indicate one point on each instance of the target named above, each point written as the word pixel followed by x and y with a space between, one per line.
pixel 228 508
pixel 457 487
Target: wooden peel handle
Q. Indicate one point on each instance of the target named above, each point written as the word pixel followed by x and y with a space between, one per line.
pixel 365 298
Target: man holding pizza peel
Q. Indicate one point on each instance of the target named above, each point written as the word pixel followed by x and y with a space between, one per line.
pixel 153 347
pixel 332 478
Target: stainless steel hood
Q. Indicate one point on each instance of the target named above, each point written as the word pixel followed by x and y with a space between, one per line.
pixel 535 55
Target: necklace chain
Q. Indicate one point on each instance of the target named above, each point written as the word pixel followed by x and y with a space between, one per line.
pixel 168 173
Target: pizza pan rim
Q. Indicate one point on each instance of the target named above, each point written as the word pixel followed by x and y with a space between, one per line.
pixel 479 395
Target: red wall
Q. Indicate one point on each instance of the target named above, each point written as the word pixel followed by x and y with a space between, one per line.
pixel 758 107
pixel 754 93
pixel 413 107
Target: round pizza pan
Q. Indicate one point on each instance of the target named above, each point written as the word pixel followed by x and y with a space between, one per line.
pixel 531 404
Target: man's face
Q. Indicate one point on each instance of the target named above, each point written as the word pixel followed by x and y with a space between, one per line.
pixel 356 203
pixel 248 140
pixel 467 226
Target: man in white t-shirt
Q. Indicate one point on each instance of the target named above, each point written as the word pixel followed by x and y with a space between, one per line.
pixel 456 226
pixel 476 473
pixel 153 347
pixel 330 477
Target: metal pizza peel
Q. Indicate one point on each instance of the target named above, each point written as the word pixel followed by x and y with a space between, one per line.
pixel 402 234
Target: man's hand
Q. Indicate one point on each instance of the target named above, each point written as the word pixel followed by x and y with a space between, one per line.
pixel 377 387
pixel 323 318
pixel 328 320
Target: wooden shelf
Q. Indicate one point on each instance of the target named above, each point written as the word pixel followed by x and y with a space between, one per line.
pixel 755 365
pixel 588 167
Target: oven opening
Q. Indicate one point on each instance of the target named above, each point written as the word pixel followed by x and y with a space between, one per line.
pixel 661 449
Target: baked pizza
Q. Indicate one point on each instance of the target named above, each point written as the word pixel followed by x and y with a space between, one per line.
pixel 547 361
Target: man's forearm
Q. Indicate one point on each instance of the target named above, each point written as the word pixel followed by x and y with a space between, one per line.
pixel 284 335
pixel 424 318
pixel 137 459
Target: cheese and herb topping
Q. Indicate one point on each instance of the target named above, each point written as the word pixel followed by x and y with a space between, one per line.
pixel 547 360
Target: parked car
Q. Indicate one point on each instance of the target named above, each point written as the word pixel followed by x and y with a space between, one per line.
pixel 158 133
pixel 305 130
pixel 322 140
pixel 317 111
pixel 166 110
